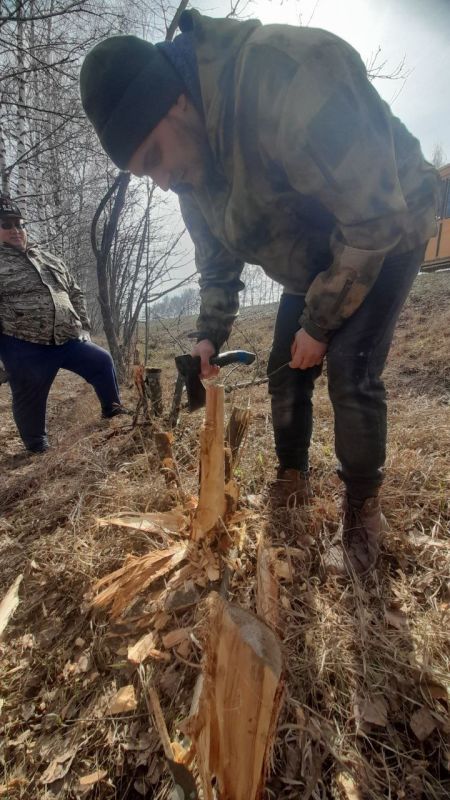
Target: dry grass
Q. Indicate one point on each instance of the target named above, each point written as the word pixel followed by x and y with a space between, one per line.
pixel 367 665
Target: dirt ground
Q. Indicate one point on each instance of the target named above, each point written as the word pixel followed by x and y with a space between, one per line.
pixel 365 712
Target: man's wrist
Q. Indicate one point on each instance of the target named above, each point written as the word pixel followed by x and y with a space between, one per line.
pixel 206 336
pixel 314 330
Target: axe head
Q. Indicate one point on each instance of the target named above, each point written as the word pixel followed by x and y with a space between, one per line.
pixel 189 368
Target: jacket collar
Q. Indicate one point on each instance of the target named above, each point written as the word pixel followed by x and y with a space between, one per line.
pixel 218 44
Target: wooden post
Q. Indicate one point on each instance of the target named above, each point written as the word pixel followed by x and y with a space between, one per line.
pixel 212 502
pixel 152 382
pixel 163 442
pixel 236 705
pixel 176 402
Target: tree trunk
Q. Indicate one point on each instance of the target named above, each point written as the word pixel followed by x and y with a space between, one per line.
pixel 102 257
pixel 21 113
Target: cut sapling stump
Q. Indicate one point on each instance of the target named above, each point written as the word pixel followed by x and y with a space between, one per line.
pixel 237 703
pixel 211 502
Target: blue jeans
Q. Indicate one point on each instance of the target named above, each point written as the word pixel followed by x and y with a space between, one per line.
pixel 355 361
pixel 31 370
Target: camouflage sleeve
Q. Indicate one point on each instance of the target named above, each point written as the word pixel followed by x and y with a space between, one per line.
pixel 78 301
pixel 219 279
pixel 335 142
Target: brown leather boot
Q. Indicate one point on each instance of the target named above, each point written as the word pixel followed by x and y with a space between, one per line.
pixel 361 530
pixel 290 489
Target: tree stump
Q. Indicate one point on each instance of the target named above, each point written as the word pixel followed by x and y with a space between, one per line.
pixel 237 703
pixel 212 501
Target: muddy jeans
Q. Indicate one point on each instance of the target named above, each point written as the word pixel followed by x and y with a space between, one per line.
pixel 355 361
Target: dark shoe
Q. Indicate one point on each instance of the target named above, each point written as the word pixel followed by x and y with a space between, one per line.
pixel 361 531
pixel 39 446
pixel 38 451
pixel 290 489
pixel 115 411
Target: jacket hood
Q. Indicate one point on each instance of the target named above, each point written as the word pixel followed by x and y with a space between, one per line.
pixel 218 45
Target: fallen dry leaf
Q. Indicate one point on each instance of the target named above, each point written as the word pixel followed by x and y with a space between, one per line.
pixel 422 723
pixel 397 619
pixel 371 710
pixel 123 700
pixel 9 603
pixel 59 767
pixel 93 778
pixel 174 638
pixel 10 786
pixel 436 690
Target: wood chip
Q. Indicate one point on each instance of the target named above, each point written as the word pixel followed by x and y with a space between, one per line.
pixel 175 637
pixel 348 787
pixel 123 700
pixel 136 575
pixel 93 778
pixel 422 723
pixel 142 649
pixel 160 620
pixel 145 648
pixel 9 604
pixel 282 569
pixel 184 648
pixel 180 599
pixel 213 573
pixel 154 522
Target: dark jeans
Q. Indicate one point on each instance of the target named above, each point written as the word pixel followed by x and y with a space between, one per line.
pixel 31 370
pixel 355 360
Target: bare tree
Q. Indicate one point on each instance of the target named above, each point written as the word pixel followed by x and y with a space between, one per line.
pixel 439 157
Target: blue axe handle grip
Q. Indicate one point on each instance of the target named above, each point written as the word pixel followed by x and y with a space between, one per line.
pixel 233 357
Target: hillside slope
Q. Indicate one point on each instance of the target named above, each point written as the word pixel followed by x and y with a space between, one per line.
pixel 367 675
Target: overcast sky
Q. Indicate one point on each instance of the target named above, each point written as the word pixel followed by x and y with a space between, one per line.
pixel 417 31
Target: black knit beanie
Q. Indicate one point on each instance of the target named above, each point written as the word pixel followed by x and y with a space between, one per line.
pixel 127 86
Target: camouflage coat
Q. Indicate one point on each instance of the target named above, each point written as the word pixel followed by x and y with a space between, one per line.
pixel 39 299
pixel 316 180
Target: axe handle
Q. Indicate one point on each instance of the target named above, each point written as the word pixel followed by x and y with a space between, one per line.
pixel 232 357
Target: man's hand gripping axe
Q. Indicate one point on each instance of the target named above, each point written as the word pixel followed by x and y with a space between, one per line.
pixel 189 368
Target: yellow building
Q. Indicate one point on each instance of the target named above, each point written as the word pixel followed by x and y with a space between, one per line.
pixel 437 254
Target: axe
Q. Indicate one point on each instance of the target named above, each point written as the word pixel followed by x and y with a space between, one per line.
pixel 189 368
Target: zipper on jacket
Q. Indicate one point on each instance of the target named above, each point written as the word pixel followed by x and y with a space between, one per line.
pixel 342 294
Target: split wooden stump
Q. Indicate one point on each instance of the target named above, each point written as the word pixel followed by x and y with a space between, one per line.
pixel 237 703
pixel 238 698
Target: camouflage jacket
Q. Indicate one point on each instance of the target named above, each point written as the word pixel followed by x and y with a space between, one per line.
pixel 39 299
pixel 316 180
